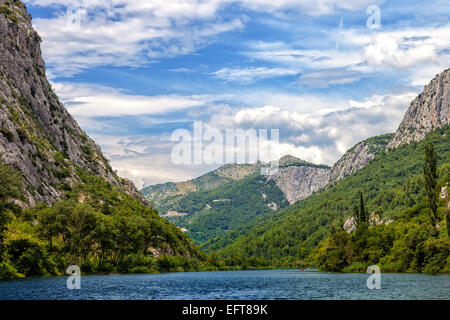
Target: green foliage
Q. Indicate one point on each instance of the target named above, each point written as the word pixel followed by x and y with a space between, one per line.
pixel 430 177
pixel 406 245
pixel 213 213
pixel 7 271
pixel 96 227
pixel 403 246
pixel 10 188
pixel 30 258
pixel 392 184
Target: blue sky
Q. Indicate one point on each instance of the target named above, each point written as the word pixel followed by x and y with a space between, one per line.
pixel 132 72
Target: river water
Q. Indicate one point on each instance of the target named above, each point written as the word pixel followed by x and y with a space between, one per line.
pixel 231 285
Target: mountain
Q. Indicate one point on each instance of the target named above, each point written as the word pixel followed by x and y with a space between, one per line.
pixel 160 194
pixel 391 184
pixel 430 110
pixel 235 194
pixel 357 157
pixel 38 136
pixel 60 201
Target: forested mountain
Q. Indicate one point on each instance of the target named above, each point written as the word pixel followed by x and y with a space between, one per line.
pixel 60 201
pixel 237 194
pixel 392 189
pixel 166 195
pixel 392 186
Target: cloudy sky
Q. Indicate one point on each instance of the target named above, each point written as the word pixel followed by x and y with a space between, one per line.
pixel 323 72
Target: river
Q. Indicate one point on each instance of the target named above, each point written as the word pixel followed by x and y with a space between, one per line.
pixel 231 285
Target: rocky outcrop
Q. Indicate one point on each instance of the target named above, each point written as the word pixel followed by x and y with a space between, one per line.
pixel 37 134
pixel 357 157
pixel 299 182
pixel 430 110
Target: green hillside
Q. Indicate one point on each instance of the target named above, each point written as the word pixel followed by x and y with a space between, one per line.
pixel 94 226
pixel 212 213
pixel 391 183
pixel 168 195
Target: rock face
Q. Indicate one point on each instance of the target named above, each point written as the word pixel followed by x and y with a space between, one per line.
pixel 37 134
pixel 357 157
pixel 299 182
pixel 430 110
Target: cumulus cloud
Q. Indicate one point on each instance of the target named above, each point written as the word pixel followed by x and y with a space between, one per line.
pixel 315 129
pixel 146 159
pixel 322 137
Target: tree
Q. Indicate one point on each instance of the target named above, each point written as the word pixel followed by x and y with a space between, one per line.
pixel 362 209
pixel 360 213
pixel 10 188
pixel 356 216
pixel 431 178
pixel 446 210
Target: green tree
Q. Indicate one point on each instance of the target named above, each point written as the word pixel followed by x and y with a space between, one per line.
pixel 10 188
pixel 431 178
pixel 362 209
pixel 447 211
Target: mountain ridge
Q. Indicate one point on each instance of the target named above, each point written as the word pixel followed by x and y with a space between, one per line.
pixel 429 110
pixel 38 135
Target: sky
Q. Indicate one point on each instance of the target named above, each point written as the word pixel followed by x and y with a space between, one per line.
pixel 326 73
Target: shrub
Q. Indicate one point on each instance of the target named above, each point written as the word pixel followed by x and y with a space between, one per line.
pixel 104 268
pixel 29 257
pixel 7 134
pixel 7 271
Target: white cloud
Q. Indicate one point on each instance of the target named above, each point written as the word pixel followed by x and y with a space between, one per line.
pixel 314 8
pixel 125 32
pixel 315 129
pixel 251 74
pixel 133 33
pixel 318 133
pixel 361 53
pixel 146 159
pixel 87 101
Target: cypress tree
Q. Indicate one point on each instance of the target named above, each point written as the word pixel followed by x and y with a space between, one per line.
pixel 362 209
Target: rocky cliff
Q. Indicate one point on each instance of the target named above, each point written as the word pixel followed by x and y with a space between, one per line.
pixel 431 109
pixel 37 134
pixel 299 179
pixel 357 157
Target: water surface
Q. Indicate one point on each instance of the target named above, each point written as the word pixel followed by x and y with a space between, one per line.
pixel 232 285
